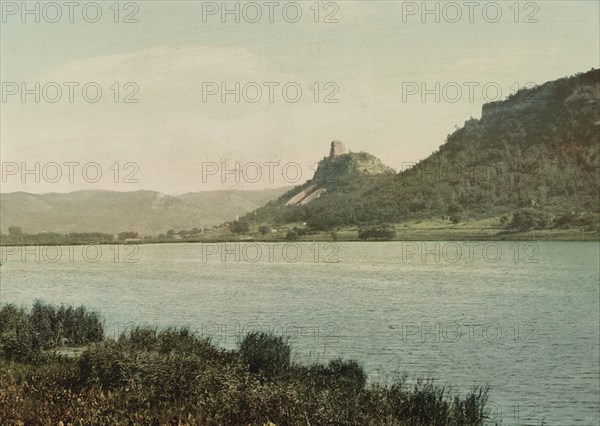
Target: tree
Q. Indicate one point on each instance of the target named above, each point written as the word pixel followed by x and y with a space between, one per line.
pixel 239 227
pixel 291 235
pixel 528 219
pixel 15 231
pixel 127 235
pixel 377 232
pixel 454 208
pixel 264 229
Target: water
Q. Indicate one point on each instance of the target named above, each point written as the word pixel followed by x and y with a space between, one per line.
pixel 521 317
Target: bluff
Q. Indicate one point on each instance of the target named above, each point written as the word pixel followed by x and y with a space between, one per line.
pixel 538 149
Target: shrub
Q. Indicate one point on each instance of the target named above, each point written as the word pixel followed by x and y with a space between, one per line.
pixel 104 365
pixel 428 404
pixel 456 218
pixel 348 374
pixel 377 232
pixel 571 219
pixel 291 235
pixel 239 227
pixel 265 353
pixel 171 376
pixel 528 219
pixel 23 334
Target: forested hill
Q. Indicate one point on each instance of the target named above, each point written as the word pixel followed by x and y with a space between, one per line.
pixel 536 151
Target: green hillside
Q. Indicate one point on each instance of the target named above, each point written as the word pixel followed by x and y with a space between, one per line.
pixel 532 161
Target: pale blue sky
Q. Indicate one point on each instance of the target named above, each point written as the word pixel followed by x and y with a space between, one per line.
pixel 370 53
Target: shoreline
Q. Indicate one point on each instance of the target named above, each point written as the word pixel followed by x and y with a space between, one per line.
pixel 432 229
pixel 433 235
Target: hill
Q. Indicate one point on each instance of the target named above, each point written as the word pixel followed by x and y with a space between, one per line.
pixel 537 152
pixel 146 212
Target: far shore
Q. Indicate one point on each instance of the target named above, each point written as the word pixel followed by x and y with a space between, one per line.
pixel 414 231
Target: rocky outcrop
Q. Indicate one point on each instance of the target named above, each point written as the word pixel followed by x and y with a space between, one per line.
pixel 338 169
pixel 337 149
pixel 348 167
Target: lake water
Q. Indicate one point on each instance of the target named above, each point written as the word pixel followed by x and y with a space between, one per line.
pixel 521 317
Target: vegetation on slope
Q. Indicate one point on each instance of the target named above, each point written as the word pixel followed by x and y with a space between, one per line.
pixel 539 149
pixel 151 377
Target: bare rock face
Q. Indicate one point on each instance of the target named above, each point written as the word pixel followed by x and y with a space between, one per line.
pixel 337 149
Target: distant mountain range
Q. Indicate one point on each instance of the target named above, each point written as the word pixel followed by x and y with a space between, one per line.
pixel 538 150
pixel 146 212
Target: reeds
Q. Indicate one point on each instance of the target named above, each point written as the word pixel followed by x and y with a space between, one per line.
pixel 149 376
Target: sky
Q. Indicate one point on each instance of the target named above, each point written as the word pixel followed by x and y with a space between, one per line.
pixel 159 109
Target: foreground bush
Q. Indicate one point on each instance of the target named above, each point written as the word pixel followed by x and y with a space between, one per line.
pixel 24 335
pixel 265 353
pixel 152 377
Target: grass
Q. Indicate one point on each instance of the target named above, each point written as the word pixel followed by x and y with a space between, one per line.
pixel 151 377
